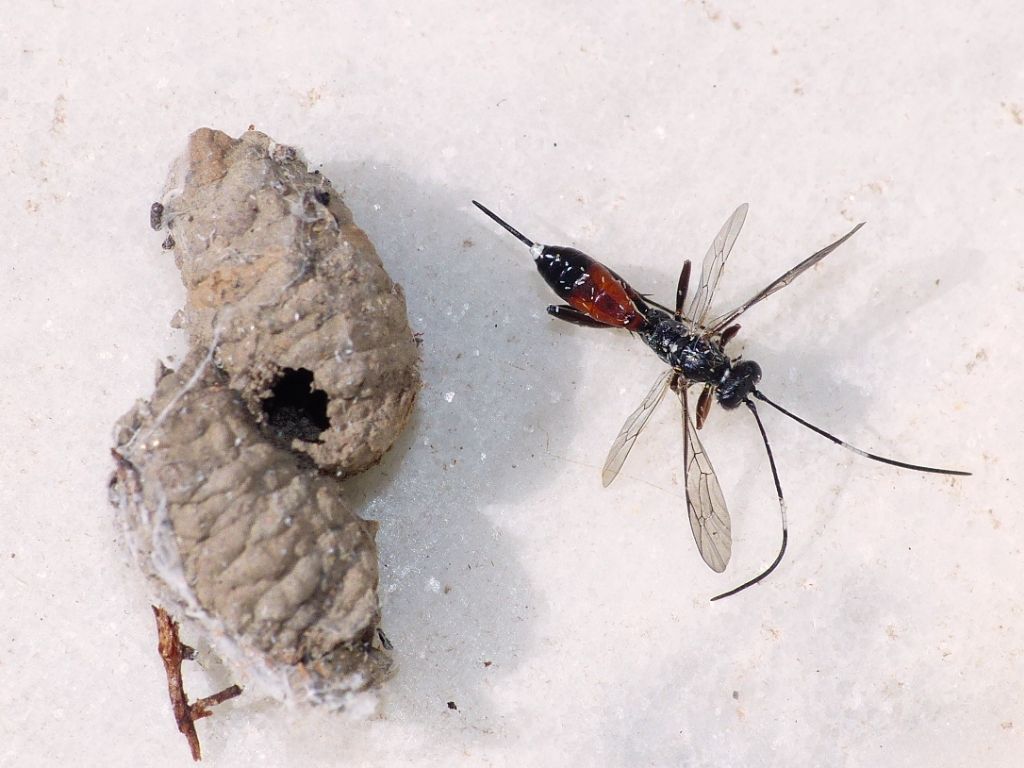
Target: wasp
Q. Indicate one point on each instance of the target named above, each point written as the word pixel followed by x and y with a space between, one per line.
pixel 692 341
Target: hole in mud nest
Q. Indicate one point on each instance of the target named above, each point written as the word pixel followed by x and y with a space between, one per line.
pixel 295 410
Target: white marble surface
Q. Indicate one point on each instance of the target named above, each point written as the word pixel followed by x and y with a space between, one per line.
pixel 892 634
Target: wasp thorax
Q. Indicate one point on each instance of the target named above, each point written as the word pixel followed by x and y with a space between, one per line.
pixel 738 383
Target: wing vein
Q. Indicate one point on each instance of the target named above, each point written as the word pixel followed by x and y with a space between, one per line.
pixel 714 264
pixel 705 503
pixel 632 427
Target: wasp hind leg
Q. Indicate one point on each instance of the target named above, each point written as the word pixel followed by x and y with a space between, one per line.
pixel 574 316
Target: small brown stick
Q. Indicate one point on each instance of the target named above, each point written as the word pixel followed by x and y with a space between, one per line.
pixel 173 652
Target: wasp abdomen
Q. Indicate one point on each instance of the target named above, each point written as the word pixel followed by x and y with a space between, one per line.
pixel 589 286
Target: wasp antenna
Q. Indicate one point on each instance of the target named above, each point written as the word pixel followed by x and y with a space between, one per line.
pixel 856 450
pixel 512 230
pixel 782 512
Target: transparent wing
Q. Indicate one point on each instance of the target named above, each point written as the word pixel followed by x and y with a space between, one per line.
pixel 727 319
pixel 714 263
pixel 631 429
pixel 709 517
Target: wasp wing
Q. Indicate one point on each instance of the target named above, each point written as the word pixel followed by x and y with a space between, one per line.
pixel 728 318
pixel 709 517
pixel 631 429
pixel 714 263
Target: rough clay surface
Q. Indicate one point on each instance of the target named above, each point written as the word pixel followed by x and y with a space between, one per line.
pixel 279 277
pixel 234 525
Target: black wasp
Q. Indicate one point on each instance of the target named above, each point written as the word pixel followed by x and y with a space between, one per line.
pixel 692 342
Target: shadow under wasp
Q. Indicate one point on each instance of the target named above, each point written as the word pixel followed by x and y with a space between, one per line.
pixel 692 342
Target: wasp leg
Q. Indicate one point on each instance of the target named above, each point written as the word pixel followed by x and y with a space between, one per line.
pixel 704 405
pixel 574 316
pixel 728 333
pixel 681 289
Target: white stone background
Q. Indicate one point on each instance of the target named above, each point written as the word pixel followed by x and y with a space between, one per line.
pixel 892 634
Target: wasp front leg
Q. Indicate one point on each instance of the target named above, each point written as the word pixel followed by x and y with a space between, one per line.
pixel 704 405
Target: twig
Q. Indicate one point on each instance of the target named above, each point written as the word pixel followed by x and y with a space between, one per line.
pixel 173 652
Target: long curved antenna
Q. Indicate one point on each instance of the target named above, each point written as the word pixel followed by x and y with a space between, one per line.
pixel 856 450
pixel 782 512
pixel 515 232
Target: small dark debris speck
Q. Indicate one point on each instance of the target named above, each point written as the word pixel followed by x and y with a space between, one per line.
pixel 488 663
pixel 168 243
pixel 323 197
pixel 736 695
pixel 156 215
pixel 451 705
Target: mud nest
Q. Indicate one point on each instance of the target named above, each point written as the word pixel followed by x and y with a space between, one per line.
pixel 302 371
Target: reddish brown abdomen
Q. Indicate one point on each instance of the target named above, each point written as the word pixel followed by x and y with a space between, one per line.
pixel 603 297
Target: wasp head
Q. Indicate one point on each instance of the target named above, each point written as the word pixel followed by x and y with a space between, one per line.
pixel 738 382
